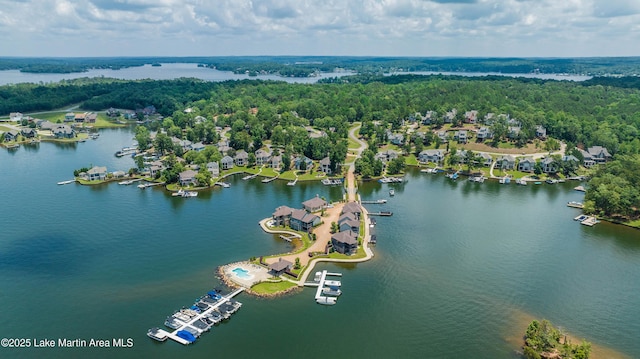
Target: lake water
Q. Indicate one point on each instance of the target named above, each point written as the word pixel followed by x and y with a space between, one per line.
pixel 174 71
pixel 459 268
pixel 164 72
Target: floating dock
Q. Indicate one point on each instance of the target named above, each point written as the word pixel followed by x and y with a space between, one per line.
pixel 384 214
pixel 322 289
pixel 590 221
pixel 128 182
pixel 267 180
pixel 145 185
pixel 574 204
pixel 378 201
pixel 190 325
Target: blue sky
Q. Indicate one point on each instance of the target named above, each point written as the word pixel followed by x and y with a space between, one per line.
pixel 520 28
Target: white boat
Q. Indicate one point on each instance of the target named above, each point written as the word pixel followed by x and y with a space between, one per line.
pixel 317 276
pixel 184 194
pixel 157 334
pixel 332 283
pixel 521 181
pixel 126 183
pixel 66 182
pixel 333 292
pixel 392 192
pixel 575 204
pixel 326 300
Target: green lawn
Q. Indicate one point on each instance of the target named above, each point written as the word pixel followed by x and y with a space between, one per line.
pixel 272 287
pixel 411 160
pixel 353 145
pixel 358 255
pixel 635 223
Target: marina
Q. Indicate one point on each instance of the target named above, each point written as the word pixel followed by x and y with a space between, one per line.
pixel 190 323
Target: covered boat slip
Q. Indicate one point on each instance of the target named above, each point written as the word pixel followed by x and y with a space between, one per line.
pixel 188 332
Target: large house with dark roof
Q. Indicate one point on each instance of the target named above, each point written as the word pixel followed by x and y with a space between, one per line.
pixel 241 158
pixel 345 242
pixel 302 220
pixel 599 154
pixel 282 215
pixel 187 177
pixel 352 208
pixel 314 204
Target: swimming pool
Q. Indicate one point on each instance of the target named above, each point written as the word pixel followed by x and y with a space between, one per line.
pixel 242 273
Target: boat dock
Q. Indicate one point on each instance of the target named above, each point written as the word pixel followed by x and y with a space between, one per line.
pixel 267 180
pixel 575 204
pixel 590 221
pixel 378 201
pixel 293 183
pixel 222 184
pixel 190 325
pixel 384 214
pixel 128 182
pixel 331 289
pixel 248 177
pixel 145 185
pixel 587 220
pixel 580 189
pixel 289 238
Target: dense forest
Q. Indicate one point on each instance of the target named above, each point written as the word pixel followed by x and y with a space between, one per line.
pixel 580 114
pixel 302 66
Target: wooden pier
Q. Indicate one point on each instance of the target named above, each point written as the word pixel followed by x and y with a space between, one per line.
pixel 145 185
pixel 377 201
pixel 384 214
pixel 267 180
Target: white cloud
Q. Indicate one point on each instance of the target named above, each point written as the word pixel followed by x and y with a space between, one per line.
pixel 331 27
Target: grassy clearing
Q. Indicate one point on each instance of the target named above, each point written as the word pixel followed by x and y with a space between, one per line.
pixel 272 287
pixel 358 255
pixel 411 160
